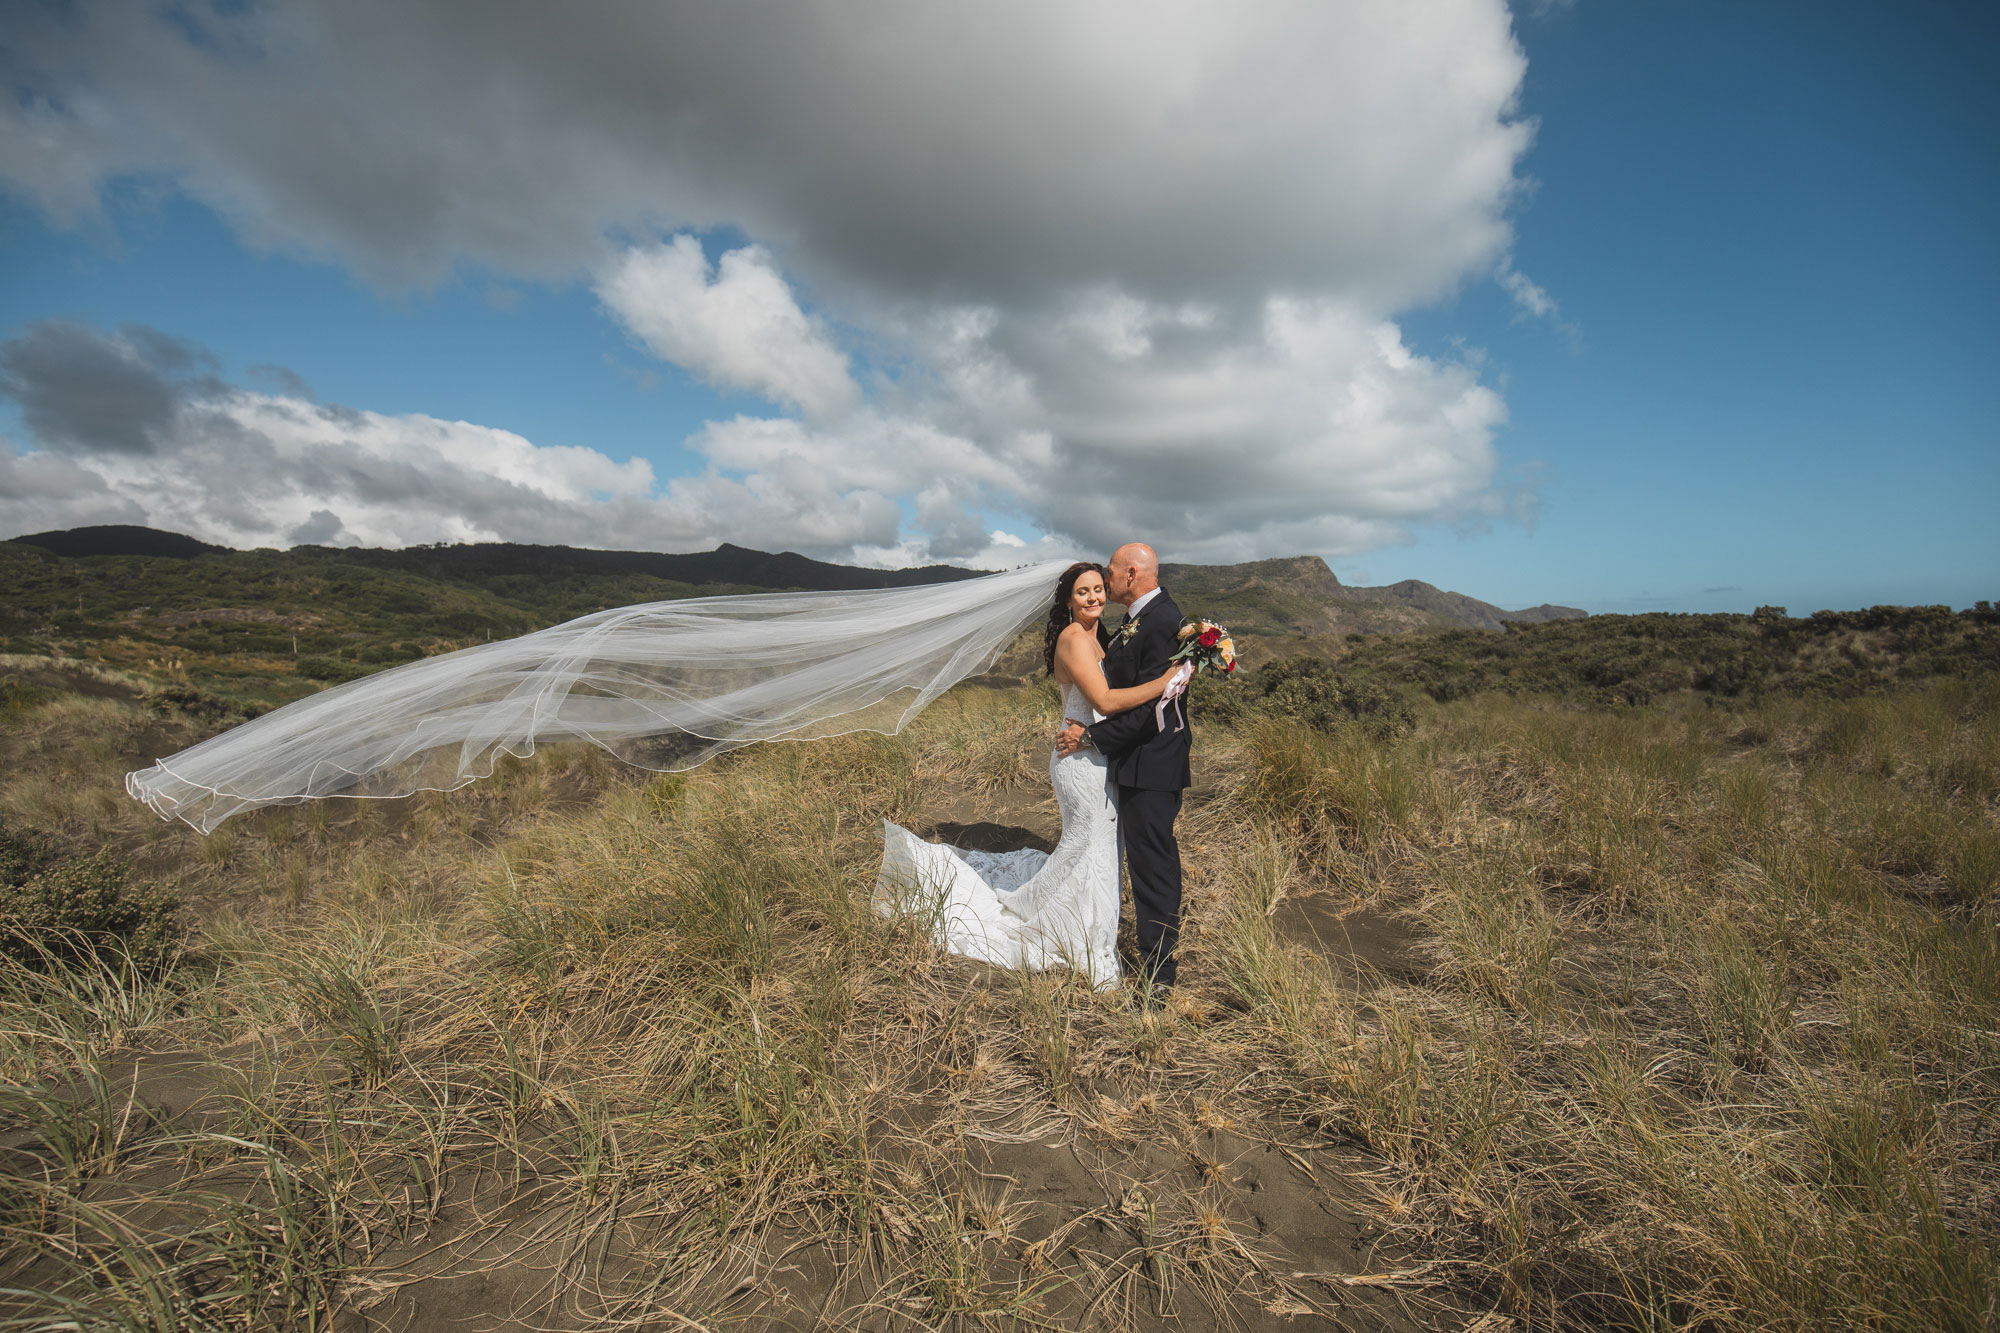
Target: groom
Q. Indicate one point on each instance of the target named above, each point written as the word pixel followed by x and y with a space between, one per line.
pixel 1149 764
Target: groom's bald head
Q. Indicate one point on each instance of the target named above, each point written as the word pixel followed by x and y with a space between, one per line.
pixel 1135 571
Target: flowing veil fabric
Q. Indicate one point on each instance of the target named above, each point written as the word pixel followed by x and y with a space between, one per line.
pixel 664 685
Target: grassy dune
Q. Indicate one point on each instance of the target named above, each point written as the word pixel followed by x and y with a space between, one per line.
pixel 1674 1016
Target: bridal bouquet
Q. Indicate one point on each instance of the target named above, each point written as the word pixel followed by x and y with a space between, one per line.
pixel 1203 644
pixel 1206 644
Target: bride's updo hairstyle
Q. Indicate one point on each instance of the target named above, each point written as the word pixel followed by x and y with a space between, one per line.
pixel 1059 616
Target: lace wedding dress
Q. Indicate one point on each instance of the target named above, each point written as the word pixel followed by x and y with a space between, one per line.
pixel 1025 909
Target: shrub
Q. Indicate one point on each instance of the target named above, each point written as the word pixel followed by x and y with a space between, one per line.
pixel 1306 690
pixel 198 705
pixel 329 668
pixel 402 604
pixel 1223 700
pixel 1313 692
pixel 21 857
pixel 85 904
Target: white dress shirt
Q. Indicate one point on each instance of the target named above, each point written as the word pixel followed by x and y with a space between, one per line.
pixel 1140 605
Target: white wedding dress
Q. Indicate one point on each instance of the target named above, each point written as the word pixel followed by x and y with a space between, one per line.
pixel 1027 909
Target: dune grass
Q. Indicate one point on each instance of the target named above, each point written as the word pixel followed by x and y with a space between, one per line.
pixel 1711 1037
pixel 1695 1027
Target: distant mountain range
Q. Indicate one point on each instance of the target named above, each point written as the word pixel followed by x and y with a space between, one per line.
pixel 1296 597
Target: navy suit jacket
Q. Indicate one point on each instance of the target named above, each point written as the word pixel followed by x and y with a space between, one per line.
pixel 1140 753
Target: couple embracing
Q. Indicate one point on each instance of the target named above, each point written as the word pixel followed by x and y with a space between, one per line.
pixel 669 684
pixel 1119 767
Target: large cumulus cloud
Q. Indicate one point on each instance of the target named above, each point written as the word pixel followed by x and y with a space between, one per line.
pixel 1109 266
pixel 1309 427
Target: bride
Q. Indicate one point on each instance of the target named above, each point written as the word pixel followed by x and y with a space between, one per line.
pixel 1029 909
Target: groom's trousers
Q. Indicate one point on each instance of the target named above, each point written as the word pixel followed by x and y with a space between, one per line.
pixel 1146 824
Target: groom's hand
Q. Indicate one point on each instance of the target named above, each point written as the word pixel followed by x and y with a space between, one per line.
pixel 1070 739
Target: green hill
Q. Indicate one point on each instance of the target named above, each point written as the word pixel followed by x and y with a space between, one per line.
pixel 1298 604
pixel 261 627
pixel 119 539
pixel 254 626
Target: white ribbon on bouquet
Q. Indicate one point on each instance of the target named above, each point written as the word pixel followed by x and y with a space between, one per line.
pixel 1176 686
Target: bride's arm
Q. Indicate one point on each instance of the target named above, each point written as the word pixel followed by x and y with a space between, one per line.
pixel 1073 650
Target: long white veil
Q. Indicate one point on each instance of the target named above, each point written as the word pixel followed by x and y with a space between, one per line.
pixel 664 685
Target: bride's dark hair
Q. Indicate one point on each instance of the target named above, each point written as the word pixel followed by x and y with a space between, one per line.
pixel 1059 616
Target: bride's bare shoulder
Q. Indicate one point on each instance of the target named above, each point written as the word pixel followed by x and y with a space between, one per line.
pixel 1076 639
pixel 1068 644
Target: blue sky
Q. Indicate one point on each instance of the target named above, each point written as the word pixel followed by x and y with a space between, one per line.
pixel 1751 364
pixel 1772 233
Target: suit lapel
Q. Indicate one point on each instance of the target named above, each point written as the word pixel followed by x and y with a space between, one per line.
pixel 1147 615
pixel 1118 658
pixel 1126 646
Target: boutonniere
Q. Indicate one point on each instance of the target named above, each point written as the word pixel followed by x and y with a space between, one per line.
pixel 1126 630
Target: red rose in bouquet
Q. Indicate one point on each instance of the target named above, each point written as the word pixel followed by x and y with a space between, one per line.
pixel 1206 644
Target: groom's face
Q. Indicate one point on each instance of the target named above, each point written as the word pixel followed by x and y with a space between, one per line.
pixel 1118 584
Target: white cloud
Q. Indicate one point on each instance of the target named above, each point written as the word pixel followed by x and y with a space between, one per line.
pixel 243 468
pixel 43 492
pixel 741 329
pixel 1002 550
pixel 321 528
pixel 1528 294
pixel 1124 269
pixel 252 470
pixel 1304 425
pixel 1531 299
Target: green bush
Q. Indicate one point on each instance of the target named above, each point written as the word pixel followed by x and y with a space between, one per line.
pixel 329 668
pixel 1223 700
pixel 402 604
pixel 1313 692
pixel 199 705
pixel 83 905
pixel 1307 690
